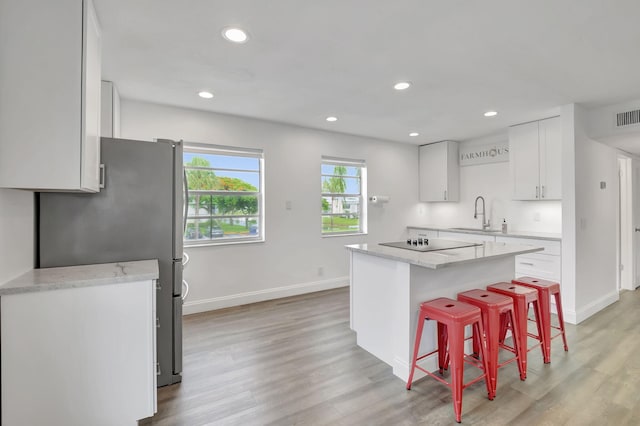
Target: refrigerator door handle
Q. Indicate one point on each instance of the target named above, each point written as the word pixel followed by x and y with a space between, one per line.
pixel 185 293
pixel 186 201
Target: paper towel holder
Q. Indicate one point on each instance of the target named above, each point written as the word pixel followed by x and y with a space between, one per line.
pixel 379 199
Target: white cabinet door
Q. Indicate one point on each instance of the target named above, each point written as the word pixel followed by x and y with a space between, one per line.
pixel 439 173
pixel 92 85
pixel 79 356
pixel 535 154
pixel 550 159
pixel 523 161
pixel 50 72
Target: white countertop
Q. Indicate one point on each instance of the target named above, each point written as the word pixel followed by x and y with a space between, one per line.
pixel 444 258
pixel 514 234
pixel 81 276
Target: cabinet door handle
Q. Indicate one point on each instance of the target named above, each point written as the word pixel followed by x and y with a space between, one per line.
pixel 445 195
pixel 542 192
pixel 526 263
pixel 102 182
pixel 537 192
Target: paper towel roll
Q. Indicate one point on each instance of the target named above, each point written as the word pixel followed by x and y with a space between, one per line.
pixel 379 199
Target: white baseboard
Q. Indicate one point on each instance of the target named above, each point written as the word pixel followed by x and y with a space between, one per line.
pixel 204 305
pixel 593 308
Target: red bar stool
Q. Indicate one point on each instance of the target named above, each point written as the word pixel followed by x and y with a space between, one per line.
pixel 452 317
pixel 493 306
pixel 546 289
pixel 522 297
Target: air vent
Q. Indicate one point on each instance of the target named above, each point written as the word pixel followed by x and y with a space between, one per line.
pixel 628 118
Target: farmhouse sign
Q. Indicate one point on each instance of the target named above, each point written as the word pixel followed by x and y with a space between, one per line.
pixel 483 154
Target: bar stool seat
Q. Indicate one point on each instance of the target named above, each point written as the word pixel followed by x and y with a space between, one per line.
pixel 522 297
pixel 492 306
pixel 452 317
pixel 547 289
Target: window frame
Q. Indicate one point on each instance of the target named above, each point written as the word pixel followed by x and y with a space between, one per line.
pixel 211 149
pixel 362 196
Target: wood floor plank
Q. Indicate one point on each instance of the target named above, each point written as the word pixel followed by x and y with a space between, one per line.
pixel 294 361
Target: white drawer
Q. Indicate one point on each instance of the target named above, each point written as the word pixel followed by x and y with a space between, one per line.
pixel 538 266
pixel 550 247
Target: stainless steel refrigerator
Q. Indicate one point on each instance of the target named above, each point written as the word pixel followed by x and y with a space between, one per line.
pixel 137 215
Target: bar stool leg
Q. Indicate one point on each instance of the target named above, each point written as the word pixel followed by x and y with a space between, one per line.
pixel 561 320
pixel 515 335
pixel 545 313
pixel 456 352
pixel 421 319
pixel 522 333
pixel 492 347
pixel 479 329
pixel 546 342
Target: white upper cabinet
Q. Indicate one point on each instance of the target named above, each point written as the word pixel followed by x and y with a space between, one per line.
pixel 109 110
pixel 535 160
pixel 439 172
pixel 50 71
pixel 551 159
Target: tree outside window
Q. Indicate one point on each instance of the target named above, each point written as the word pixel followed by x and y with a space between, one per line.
pixel 342 195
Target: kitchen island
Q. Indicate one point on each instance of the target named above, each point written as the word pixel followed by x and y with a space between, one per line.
pixel 388 284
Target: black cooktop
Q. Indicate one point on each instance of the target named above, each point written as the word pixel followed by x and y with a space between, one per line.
pixel 425 244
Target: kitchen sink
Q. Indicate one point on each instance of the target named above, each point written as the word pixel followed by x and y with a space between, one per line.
pixel 475 229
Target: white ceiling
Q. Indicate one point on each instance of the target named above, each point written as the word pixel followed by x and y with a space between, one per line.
pixel 307 59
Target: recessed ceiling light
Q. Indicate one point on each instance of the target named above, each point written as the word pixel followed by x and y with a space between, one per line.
pixel 414 134
pixel 235 35
pixel 402 85
pixel 490 114
pixel 332 119
pixel 205 94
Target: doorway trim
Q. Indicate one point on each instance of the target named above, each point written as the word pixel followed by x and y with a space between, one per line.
pixel 626 264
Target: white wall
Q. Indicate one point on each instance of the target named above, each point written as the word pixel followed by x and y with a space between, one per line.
pixel 493 182
pixel 601 126
pixel 16 233
pixel 289 261
pixel 596 218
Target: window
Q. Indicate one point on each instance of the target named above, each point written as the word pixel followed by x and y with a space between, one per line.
pixel 343 184
pixel 226 194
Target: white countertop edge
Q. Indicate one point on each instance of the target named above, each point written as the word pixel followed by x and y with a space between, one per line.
pixel 448 257
pixel 512 234
pixel 47 279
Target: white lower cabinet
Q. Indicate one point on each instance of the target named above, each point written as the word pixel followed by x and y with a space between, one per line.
pixel 79 356
pixel 545 264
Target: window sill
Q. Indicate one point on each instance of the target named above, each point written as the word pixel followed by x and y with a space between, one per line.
pixel 221 243
pixel 354 234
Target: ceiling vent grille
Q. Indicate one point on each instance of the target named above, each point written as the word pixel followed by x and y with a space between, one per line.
pixel 628 118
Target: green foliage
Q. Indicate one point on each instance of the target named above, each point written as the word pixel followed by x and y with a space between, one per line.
pixel 201 179
pixel 326 207
pixel 339 223
pixel 336 184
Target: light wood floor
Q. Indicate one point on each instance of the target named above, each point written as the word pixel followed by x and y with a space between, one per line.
pixel 294 361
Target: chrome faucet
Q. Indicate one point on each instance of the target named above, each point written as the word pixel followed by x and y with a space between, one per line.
pixel 485 223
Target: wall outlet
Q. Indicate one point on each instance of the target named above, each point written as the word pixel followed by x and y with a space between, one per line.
pixel 288 205
pixel 536 216
pixel 321 271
